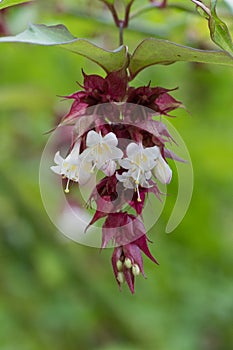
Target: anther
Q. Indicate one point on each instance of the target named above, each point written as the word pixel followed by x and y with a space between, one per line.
pixel 67 186
pixel 139 198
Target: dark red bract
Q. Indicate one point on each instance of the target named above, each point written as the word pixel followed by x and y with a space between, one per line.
pixel 114 88
pixel 156 98
pixel 98 90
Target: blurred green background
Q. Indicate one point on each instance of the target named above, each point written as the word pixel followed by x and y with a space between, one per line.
pixel 57 294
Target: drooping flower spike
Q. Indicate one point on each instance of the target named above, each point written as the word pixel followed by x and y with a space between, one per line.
pixel 129 149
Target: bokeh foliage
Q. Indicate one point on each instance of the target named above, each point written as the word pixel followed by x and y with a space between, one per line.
pixel 58 294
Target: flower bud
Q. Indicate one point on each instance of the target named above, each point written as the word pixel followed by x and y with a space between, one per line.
pixel 128 263
pixel 162 171
pixel 135 270
pixel 120 277
pixel 119 265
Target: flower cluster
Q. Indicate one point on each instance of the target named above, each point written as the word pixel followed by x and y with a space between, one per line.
pixel 101 153
pixel 140 163
pixel 122 141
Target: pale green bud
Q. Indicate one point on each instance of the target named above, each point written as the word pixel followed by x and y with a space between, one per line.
pixel 119 265
pixel 135 270
pixel 120 277
pixel 128 263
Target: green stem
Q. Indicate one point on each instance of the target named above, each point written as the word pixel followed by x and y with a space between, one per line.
pixel 121 33
pixel 125 23
pixel 152 7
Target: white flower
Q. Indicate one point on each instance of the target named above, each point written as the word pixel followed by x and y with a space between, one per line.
pixel 162 171
pixel 139 163
pixel 72 167
pixel 109 167
pixel 140 156
pixel 102 151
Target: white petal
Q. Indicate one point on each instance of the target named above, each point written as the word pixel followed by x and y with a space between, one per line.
pixel 148 175
pixel 87 155
pixel 84 176
pixel 56 169
pixel 119 177
pixel 147 163
pixel 86 167
pixel 75 150
pixel 123 177
pixel 93 138
pixel 150 165
pixel 152 152
pixel 132 149
pixel 116 153
pixel 145 184
pixel 109 168
pixel 162 171
pixel 71 160
pixel 134 173
pixel 125 163
pixel 128 184
pixel 73 172
pixel 126 179
pixel 110 139
pixel 58 158
pixel 101 159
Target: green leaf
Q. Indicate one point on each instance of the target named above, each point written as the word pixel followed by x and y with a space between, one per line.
pixel 156 51
pixel 8 3
pixel 59 35
pixel 218 30
pixel 41 34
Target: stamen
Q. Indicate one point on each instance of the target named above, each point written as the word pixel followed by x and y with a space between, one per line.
pixel 93 167
pixel 67 186
pixel 137 183
pixel 137 180
pixel 139 198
